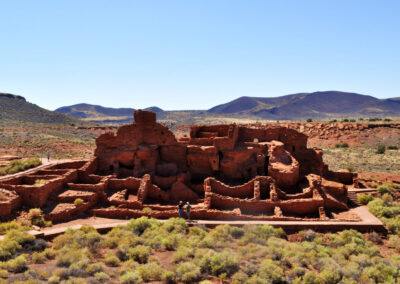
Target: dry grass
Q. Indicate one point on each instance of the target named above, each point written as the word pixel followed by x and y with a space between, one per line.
pixel 362 159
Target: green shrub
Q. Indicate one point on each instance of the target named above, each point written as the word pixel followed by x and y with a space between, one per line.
pixel 130 277
pixel 309 120
pixel 93 268
pixel 239 277
pixel 260 234
pixel 183 254
pixel 188 272
pixel 13 225
pixel 392 147
pixel 66 256
pixel 38 257
pixel 394 242
pixel 150 272
pixel 341 145
pixel 39 182
pixel 78 202
pixel 139 253
pixel 223 263
pixel 139 225
pixel 352 120
pixel 102 277
pixel 345 120
pixel 385 189
pixel 271 272
pixel 35 213
pixel 168 277
pixel 112 260
pixel 147 209
pixel 364 198
pixel 17 264
pixel 381 149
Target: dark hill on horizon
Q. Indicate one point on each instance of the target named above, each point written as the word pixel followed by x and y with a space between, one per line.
pixel 317 105
pixel 15 109
pixel 100 114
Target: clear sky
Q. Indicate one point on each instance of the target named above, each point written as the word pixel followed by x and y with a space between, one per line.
pixel 195 54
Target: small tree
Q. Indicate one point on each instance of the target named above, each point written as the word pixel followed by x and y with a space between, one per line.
pixel 309 120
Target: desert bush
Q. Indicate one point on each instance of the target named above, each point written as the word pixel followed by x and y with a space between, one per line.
pixel 93 268
pixel 139 225
pixel 188 272
pixel 102 277
pixel 65 257
pixel 38 257
pixel 171 241
pixel 78 202
pixel 86 237
pixel 381 149
pixel 342 145
pixel 239 277
pixel 312 278
pixel 260 234
pixel 394 242
pixel 22 165
pixel 392 147
pixel 39 182
pixel 112 260
pixel 139 253
pixel 236 232
pixel 168 277
pixel 13 225
pixel 147 209
pixel 130 277
pixel 271 272
pixel 379 273
pixel 35 213
pixel 364 198
pixel 352 120
pixel 17 264
pixel 13 242
pixel 150 272
pixel 385 189
pixel 183 254
pixel 308 235
pixel 375 238
pixel 223 263
pixel 309 120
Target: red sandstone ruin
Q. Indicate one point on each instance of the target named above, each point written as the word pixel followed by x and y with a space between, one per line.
pixel 226 171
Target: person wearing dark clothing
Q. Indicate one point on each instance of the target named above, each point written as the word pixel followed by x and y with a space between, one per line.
pixel 188 210
pixel 180 209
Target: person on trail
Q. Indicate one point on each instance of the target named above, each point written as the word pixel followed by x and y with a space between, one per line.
pixel 188 210
pixel 48 157
pixel 180 209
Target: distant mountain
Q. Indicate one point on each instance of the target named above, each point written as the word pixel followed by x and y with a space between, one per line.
pixel 15 109
pixel 300 106
pixel 96 113
pixel 310 105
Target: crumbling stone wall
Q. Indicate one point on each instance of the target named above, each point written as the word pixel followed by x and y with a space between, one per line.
pixel 225 171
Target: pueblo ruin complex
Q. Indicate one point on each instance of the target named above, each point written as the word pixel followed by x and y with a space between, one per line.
pixel 227 172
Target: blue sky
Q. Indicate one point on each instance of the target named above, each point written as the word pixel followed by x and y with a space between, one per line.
pixel 195 54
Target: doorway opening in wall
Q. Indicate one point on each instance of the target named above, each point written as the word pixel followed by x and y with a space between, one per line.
pixel 266 165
